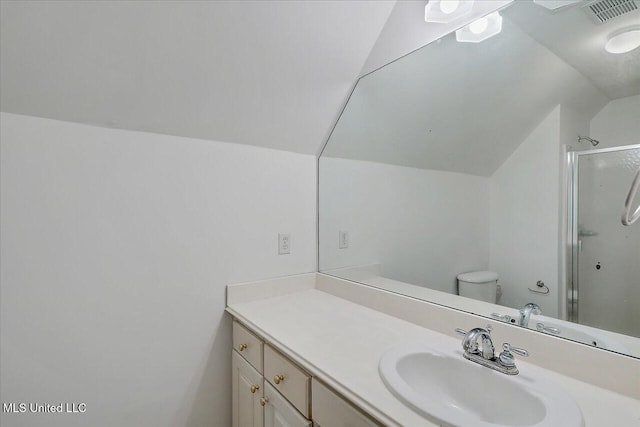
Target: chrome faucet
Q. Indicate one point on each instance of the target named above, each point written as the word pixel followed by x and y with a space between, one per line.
pixel 526 312
pixel 485 356
pixel 470 342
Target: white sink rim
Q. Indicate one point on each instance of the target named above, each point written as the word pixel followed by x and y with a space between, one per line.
pixel 561 410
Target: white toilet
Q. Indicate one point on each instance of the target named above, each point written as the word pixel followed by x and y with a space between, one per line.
pixel 479 285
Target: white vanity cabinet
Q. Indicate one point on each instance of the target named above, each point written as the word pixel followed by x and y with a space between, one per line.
pixel 269 390
pixel 282 400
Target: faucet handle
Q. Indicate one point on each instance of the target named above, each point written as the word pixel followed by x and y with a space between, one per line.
pixel 540 327
pixel 502 317
pixel 460 331
pixel 519 351
pixel 506 358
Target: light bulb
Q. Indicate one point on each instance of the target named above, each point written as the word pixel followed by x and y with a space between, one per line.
pixel 449 6
pixel 479 26
pixel 446 11
pixel 480 29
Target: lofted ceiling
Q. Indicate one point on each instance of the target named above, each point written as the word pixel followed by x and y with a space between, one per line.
pixel 267 73
pixel 466 107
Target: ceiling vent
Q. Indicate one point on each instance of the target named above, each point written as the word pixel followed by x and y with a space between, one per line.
pixel 603 10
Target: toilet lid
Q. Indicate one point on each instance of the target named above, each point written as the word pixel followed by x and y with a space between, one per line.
pixel 478 276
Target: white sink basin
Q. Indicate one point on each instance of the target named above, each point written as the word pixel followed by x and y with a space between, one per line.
pixel 456 392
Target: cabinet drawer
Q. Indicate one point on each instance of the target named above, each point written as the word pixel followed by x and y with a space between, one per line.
pixel 248 345
pixel 288 379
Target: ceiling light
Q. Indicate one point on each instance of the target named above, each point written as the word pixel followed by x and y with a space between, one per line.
pixel 445 11
pixel 624 41
pixel 479 26
pixel 555 4
pixel 480 29
pixel 449 6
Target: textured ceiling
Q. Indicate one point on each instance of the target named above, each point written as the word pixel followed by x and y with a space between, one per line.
pixel 273 74
pixel 573 36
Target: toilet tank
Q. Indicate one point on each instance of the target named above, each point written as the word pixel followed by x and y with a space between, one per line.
pixel 479 285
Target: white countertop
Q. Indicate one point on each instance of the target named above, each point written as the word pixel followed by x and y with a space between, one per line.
pixel 341 343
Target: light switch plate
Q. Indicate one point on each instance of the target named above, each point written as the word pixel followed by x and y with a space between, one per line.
pixel 343 239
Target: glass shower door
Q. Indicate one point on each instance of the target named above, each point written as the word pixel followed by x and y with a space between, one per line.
pixel 606 288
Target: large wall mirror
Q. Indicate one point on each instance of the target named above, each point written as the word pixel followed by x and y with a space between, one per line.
pixel 492 176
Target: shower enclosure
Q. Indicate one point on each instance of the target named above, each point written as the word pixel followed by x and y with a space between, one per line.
pixel 603 289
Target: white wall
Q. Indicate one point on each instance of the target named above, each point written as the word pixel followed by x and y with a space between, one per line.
pixel 116 248
pixel 424 227
pixel 617 123
pixel 572 124
pixel 525 197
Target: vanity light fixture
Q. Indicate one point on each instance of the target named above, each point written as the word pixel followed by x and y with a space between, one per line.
pixel 623 41
pixel 480 29
pixel 445 11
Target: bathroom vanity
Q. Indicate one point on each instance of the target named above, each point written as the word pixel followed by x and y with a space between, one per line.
pixel 270 390
pixel 307 349
pixel 464 214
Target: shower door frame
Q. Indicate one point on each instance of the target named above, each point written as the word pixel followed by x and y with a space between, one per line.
pixel 572 295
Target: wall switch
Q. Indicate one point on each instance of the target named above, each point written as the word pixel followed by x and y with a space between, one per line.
pixel 343 239
pixel 284 243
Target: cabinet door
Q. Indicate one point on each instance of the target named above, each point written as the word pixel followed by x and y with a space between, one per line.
pixel 280 413
pixel 330 410
pixel 247 389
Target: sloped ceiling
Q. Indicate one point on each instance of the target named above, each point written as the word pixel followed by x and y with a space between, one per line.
pixel 267 73
pixel 406 31
pixel 462 107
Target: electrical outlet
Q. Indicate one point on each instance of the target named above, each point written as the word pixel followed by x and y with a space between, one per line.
pixel 284 243
pixel 343 239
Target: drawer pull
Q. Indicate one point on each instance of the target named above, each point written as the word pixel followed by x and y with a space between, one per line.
pixel 278 379
pixel 255 388
pixel 242 347
pixel 263 401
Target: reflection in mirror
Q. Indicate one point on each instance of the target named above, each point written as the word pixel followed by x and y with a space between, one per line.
pixel 486 176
